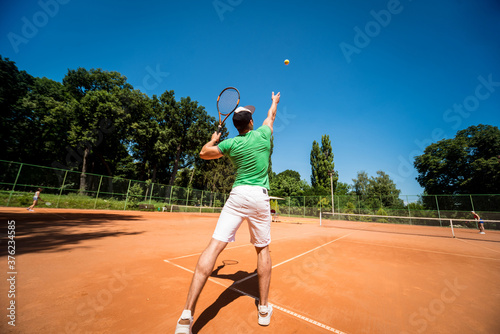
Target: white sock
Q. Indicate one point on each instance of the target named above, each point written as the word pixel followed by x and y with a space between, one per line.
pixel 186 315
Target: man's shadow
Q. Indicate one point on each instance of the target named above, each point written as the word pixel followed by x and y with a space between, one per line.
pixel 250 286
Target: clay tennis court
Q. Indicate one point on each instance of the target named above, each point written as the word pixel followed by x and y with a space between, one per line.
pixel 83 271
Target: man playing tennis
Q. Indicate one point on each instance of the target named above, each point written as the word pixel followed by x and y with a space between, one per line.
pixel 249 199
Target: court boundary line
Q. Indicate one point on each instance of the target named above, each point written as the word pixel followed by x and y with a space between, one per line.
pixel 278 307
pixel 296 257
pixel 470 243
pixel 426 251
pixel 228 248
pixel 312 250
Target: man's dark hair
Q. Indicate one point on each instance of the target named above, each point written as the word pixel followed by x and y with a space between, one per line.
pixel 242 120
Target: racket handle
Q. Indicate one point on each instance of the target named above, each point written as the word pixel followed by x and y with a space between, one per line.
pixel 219 128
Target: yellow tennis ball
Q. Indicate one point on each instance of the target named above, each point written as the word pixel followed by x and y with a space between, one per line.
pixel 287 62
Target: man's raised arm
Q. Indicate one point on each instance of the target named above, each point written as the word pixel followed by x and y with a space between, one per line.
pixel 271 114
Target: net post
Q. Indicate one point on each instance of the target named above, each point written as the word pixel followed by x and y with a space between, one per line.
pixel 452 231
pixel 320 218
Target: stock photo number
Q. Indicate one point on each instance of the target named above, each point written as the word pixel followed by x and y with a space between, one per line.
pixel 11 272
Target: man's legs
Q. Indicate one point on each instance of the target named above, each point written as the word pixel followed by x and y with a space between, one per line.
pixel 204 268
pixel 264 269
pixel 264 273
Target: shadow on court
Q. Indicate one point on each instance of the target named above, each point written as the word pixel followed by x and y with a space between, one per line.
pixel 250 286
pixel 61 231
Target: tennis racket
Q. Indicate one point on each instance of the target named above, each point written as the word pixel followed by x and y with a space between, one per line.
pixel 227 102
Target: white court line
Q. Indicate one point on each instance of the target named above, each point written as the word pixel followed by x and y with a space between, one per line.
pixel 295 257
pixel 58 215
pixel 312 250
pixel 426 251
pixel 480 245
pixel 227 248
pixel 192 272
pixel 294 314
pixel 195 254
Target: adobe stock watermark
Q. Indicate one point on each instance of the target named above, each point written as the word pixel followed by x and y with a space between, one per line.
pixel 283 119
pixel 454 117
pixel 223 6
pixel 87 310
pixel 419 320
pixel 363 37
pixel 31 26
pixel 153 79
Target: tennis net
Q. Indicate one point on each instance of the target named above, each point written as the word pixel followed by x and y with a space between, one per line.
pixel 191 209
pixel 425 226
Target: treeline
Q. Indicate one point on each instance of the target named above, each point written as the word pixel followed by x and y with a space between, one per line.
pixel 96 122
pixel 371 192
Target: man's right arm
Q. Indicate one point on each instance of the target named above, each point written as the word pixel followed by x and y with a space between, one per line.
pixel 271 114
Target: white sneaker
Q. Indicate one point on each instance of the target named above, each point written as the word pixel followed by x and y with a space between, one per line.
pixel 184 328
pixel 265 313
pixel 482 233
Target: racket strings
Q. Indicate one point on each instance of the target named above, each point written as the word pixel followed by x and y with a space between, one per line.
pixel 228 101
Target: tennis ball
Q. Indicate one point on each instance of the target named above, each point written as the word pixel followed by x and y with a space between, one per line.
pixel 287 62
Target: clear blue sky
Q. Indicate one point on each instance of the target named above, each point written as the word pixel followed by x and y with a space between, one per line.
pixel 382 78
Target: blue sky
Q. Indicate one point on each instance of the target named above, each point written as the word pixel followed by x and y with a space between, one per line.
pixel 383 79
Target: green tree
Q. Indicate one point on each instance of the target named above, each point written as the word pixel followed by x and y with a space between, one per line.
pixel 465 164
pixel 99 120
pixel 343 189
pixel 288 183
pixel 321 165
pixel 184 130
pixel 50 107
pixel 383 188
pixel 361 184
pixel 16 121
pixel 377 192
pixel 79 82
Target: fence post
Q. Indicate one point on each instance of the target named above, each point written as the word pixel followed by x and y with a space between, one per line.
pixel 439 213
pixel 288 206
pixel 408 205
pixel 320 206
pixel 15 182
pixel 151 193
pixel 126 199
pixel 62 186
pixel 187 196
pixel 171 191
pixel 472 203
pixel 97 195
pixel 304 206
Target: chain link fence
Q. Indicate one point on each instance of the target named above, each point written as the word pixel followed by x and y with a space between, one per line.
pixel 72 189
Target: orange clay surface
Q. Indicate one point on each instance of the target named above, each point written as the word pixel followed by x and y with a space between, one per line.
pixel 85 271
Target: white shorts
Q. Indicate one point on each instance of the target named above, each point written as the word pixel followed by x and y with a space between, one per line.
pixel 246 202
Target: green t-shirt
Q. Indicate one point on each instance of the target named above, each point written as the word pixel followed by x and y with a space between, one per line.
pixel 250 156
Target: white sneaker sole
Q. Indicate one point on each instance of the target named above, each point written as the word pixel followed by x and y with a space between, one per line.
pixel 266 320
